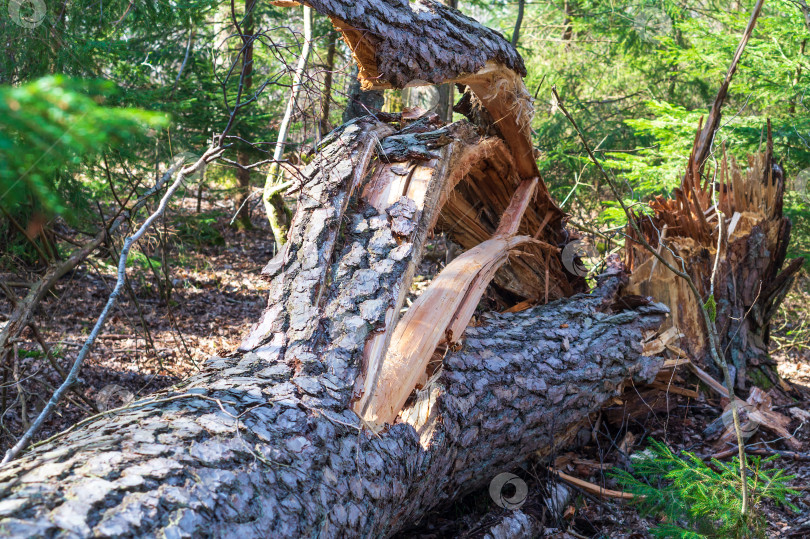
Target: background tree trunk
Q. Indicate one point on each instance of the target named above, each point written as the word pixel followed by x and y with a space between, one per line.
pixel 324 126
pixel 277 212
pixel 243 175
pixel 518 23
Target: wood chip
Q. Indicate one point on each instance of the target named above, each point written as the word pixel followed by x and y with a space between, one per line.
pixel 669 388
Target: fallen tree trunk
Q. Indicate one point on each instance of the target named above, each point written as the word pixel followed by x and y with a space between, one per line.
pixel 248 464
pixel 244 449
pixel 265 440
pixel 274 440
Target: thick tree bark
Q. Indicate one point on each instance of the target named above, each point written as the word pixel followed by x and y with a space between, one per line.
pixel 398 42
pixel 265 440
pixel 514 525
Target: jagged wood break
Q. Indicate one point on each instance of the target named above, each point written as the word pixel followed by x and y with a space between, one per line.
pixel 751 281
pixel 400 43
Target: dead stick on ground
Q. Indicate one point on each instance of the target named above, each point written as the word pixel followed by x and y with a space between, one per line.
pixel 590 488
pixel 765 451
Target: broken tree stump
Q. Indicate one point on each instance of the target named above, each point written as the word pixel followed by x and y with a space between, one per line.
pixel 750 281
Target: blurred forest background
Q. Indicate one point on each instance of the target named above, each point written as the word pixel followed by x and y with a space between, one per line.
pixel 98 99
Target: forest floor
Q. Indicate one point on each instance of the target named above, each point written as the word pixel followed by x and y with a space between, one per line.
pixel 217 294
pixel 148 343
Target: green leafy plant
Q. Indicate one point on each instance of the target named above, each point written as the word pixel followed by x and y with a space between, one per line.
pixel 47 127
pixel 138 259
pixel 698 500
pixel 200 229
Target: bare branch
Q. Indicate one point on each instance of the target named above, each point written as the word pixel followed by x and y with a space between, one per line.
pixel 46 412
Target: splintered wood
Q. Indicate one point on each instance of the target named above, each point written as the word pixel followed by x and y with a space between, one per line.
pixel 447 304
pixel 756 416
pixel 476 197
pixel 440 314
pixel 396 357
pixel 749 281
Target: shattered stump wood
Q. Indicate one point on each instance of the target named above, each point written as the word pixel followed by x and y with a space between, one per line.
pixel 265 442
pixel 752 276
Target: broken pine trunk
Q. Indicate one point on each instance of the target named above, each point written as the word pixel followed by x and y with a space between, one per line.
pixel 267 440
